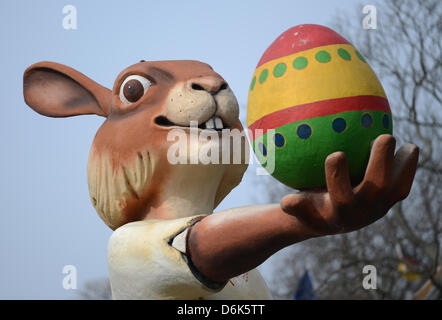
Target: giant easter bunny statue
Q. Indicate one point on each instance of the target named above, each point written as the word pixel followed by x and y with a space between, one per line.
pixel 167 242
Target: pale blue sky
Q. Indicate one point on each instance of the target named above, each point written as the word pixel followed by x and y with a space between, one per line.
pixel 46 219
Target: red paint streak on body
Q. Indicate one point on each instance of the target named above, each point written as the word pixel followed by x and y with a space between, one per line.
pixel 301 38
pixel 317 109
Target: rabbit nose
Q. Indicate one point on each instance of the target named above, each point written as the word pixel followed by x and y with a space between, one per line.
pixel 210 84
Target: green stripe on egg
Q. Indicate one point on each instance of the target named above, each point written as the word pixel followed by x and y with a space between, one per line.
pixel 303 146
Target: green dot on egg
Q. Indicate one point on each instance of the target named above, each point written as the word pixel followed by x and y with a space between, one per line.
pixel 323 56
pixel 344 54
pixel 300 63
pixel 279 69
pixel 252 85
pixel 263 76
pixel 360 56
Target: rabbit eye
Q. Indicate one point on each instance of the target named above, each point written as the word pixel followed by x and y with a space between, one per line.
pixel 133 88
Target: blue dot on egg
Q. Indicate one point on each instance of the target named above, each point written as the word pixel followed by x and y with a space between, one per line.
pixel 262 148
pixel 339 125
pixel 386 121
pixel 304 131
pixel 366 120
pixel 279 140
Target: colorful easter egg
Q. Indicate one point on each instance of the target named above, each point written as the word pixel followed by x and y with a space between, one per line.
pixel 313 93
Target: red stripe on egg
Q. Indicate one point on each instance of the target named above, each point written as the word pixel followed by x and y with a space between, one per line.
pixel 301 38
pixel 318 109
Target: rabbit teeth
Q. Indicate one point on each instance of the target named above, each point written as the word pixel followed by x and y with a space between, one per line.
pixel 214 123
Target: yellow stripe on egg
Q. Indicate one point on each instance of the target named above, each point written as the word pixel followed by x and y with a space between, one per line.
pixel 321 73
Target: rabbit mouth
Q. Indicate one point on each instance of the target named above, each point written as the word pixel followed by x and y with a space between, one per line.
pixel 214 123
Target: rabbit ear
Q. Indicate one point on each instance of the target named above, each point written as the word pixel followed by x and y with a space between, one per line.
pixel 56 90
